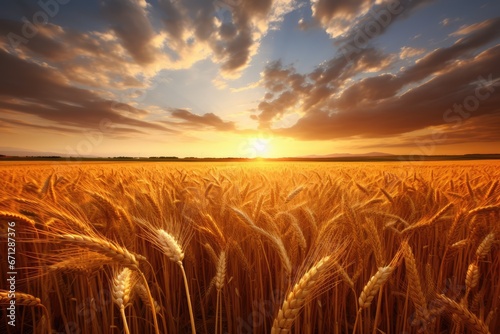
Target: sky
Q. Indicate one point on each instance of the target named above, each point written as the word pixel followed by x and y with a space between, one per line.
pixel 248 78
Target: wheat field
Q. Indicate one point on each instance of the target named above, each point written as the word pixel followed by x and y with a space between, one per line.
pixel 256 247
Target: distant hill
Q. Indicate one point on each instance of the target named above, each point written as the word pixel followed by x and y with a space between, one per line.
pixel 19 152
pixel 348 155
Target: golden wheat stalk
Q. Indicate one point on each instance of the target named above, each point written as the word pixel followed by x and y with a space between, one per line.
pixel 297 297
pixel 173 250
pixel 387 195
pixel 219 284
pixel 170 247
pixel 80 263
pixel 20 298
pixel 472 277
pixel 10 216
pixel 293 194
pixel 415 288
pixel 430 221
pixel 469 318
pixel 491 190
pixel 295 228
pixel 484 210
pixel 221 271
pixel 105 247
pixel 485 246
pixel 373 286
pixel 276 241
pixel 122 288
pixel 143 295
pixel 345 276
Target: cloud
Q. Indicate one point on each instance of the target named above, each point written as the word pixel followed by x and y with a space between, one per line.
pixel 131 41
pixel 11 123
pixel 91 58
pixel 40 91
pixel 429 104
pixel 447 21
pixel 346 20
pixel 469 29
pixel 129 20
pixel 332 105
pixel 439 60
pixel 188 119
pixel 337 16
pixel 480 129
pixel 74 78
pixel 289 91
pixel 232 30
pixel 409 52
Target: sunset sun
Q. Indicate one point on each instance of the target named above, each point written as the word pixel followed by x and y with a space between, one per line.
pixel 232 166
pixel 260 145
pixel 255 147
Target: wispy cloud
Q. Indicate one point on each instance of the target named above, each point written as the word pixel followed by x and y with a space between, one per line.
pixel 409 52
pixel 447 21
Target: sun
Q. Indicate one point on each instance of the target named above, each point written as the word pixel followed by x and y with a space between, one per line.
pixel 259 146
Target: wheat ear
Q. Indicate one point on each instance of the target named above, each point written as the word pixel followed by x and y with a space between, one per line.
pixel 414 285
pixel 20 298
pixel 170 247
pixel 297 297
pixel 221 271
pixel 472 277
pixel 491 190
pixel 373 286
pixel 219 284
pixel 483 210
pixel 430 221
pixel 485 246
pixel 469 318
pixel 173 250
pixel 105 247
pixel 10 216
pixel 80 263
pixel 293 194
pixel 122 287
pixel 143 295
